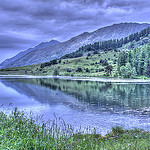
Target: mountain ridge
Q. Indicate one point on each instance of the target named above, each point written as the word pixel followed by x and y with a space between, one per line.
pixel 115 31
pixel 23 53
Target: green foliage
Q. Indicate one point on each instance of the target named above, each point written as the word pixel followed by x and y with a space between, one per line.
pixel 122 59
pixel 134 63
pixel 108 45
pixel 87 70
pixel 104 62
pixel 89 54
pixel 134 73
pixel 108 69
pixel 56 72
pixel 73 55
pixel 127 71
pixel 52 62
pixel 117 130
pixel 20 132
pixel 123 71
pixel 127 64
pixel 95 52
pixel 147 68
pixel 79 69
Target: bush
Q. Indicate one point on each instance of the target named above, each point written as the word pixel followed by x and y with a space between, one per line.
pixel 127 71
pixel 79 69
pixel 44 71
pixel 104 62
pixel 87 70
pixel 117 130
pixel 95 52
pixel 68 70
pixel 89 54
pixel 56 72
pixel 100 70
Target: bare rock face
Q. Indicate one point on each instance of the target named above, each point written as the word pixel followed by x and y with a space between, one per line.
pixel 45 52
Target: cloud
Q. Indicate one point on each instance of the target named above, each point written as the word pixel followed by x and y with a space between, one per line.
pixel 34 21
pixel 12 41
pixel 129 4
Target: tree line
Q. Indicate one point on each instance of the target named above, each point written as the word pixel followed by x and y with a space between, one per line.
pixel 135 62
pixel 107 45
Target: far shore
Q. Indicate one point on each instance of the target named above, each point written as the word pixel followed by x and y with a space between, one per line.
pixel 98 79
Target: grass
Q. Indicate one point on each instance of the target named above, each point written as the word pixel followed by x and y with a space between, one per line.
pixel 68 67
pixel 20 132
pixel 20 70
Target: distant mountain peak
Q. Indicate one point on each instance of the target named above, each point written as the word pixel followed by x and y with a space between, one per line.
pixel 52 40
pixel 23 53
pixel 46 44
pixel 44 52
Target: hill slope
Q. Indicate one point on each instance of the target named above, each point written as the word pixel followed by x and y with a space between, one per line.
pixel 127 64
pixel 46 54
pixel 23 53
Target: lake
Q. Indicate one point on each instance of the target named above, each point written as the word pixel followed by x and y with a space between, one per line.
pixel 100 105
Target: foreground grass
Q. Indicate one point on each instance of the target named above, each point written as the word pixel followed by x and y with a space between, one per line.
pixel 19 132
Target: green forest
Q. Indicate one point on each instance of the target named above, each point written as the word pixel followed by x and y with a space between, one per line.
pixel 109 44
pixel 134 62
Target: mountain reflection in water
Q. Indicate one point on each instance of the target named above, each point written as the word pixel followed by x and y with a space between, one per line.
pixel 86 96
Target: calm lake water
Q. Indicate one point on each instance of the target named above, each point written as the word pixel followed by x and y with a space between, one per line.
pixel 86 103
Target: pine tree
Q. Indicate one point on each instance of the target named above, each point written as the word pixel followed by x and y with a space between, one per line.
pixel 147 68
pixel 122 59
pixel 134 73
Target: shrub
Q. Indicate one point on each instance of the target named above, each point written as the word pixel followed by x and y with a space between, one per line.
pixel 117 130
pixel 89 54
pixel 95 52
pixel 56 72
pixel 102 69
pixel 87 70
pixel 79 69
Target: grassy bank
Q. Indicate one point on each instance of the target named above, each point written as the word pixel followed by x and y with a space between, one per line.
pixel 81 66
pixel 86 66
pixel 20 132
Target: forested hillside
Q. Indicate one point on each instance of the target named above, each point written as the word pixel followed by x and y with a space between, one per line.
pixel 97 40
pixel 112 44
pixel 121 64
pixel 101 59
pixel 134 62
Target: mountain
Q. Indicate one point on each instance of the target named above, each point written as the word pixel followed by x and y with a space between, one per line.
pixel 41 55
pixel 23 53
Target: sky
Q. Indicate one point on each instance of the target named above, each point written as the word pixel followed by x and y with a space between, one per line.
pixel 26 23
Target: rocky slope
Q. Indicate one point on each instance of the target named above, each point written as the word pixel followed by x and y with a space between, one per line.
pixel 23 53
pixel 48 53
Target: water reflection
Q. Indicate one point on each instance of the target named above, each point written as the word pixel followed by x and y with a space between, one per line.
pixel 86 103
pixel 100 96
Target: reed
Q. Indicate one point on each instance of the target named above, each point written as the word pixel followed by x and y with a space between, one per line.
pixel 19 131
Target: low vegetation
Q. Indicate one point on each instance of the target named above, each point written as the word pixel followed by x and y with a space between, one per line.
pixel 93 65
pixel 20 132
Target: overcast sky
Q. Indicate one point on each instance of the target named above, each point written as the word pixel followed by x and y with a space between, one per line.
pixel 26 23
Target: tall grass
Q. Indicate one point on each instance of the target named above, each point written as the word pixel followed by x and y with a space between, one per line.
pixel 17 131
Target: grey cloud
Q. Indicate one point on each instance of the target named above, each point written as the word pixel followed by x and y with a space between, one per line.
pixel 42 16
pixel 62 19
pixel 132 4
pixel 11 42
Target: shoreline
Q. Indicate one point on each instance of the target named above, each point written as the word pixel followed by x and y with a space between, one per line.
pixel 97 79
